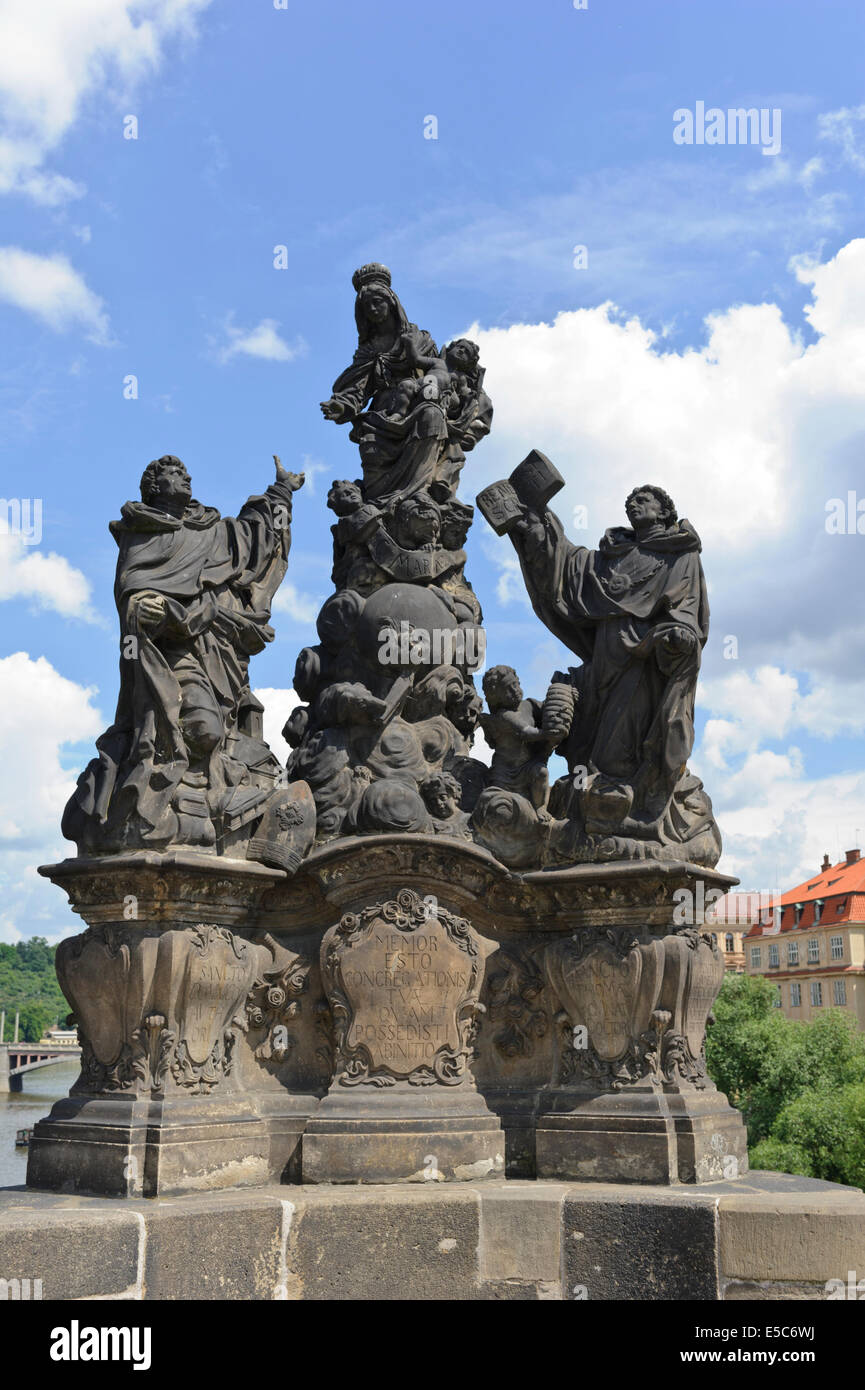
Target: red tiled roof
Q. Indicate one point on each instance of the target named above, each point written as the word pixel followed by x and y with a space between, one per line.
pixel 840 885
pixel 831 883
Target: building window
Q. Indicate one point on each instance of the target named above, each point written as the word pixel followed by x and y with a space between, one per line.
pixel 797 914
pixel 839 991
pixel 792 952
pixel 777 1000
pixel 836 947
pixel 773 953
pixel 816 994
pixel 729 943
pixel 813 951
pixel 818 910
pixel 795 994
pixel 755 957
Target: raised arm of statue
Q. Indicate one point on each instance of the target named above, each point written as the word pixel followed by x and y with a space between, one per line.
pixel 265 522
pixel 351 392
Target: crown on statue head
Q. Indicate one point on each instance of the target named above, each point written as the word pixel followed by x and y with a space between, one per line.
pixel 370 274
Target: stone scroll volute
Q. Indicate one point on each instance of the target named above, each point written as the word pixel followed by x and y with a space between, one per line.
pixel 693 975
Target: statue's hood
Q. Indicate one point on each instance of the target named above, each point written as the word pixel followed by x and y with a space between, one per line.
pixel 677 539
pixel 139 516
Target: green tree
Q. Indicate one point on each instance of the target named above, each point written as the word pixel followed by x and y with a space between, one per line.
pixel 746 1029
pixel 820 1134
pixel 780 1158
pixel 800 1086
pixel 35 1018
pixel 821 1056
pixel 27 977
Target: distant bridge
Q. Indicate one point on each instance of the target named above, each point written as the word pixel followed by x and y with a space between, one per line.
pixel 18 1058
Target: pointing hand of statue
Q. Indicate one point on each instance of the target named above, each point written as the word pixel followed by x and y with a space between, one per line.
pixel 333 410
pixel 294 480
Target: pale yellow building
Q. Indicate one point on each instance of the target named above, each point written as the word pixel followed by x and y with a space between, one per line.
pixel 811 942
pixel 727 922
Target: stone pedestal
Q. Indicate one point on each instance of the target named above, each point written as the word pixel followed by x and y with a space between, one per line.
pixel 587 1042
pixel 166 984
pixel 407 1138
pixel 631 1100
pixel 403 979
pixel 403 1009
pixel 123 1146
pixel 646 1135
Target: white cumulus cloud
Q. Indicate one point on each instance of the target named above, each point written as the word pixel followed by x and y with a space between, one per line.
pixel 845 128
pixel 302 607
pixel 752 433
pixel 263 342
pixel 43 713
pixel 55 56
pixel 49 580
pixel 53 291
pixel 278 705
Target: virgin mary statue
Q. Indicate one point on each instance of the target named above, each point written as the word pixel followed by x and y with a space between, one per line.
pixel 413 412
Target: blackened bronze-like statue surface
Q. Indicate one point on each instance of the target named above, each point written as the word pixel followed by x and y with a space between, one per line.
pixel 184 762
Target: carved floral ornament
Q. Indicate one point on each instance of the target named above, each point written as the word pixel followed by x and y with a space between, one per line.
pixel 516 1002
pixel 273 1001
pixel 406 912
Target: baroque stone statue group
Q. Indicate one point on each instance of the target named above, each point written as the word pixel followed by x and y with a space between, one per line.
pixel 392 959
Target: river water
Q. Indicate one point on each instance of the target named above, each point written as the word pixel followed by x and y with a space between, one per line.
pixel 41 1089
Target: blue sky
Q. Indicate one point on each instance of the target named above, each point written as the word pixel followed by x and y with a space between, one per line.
pixel 712 344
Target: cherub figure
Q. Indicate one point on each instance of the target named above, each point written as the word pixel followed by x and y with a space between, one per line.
pixel 461 358
pixel 433 385
pixel 417 522
pixel 520 746
pixel 442 794
pixel 449 378
pixel 344 497
pixel 356 520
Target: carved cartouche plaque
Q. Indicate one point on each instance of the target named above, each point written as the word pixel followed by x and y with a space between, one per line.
pixel 402 979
